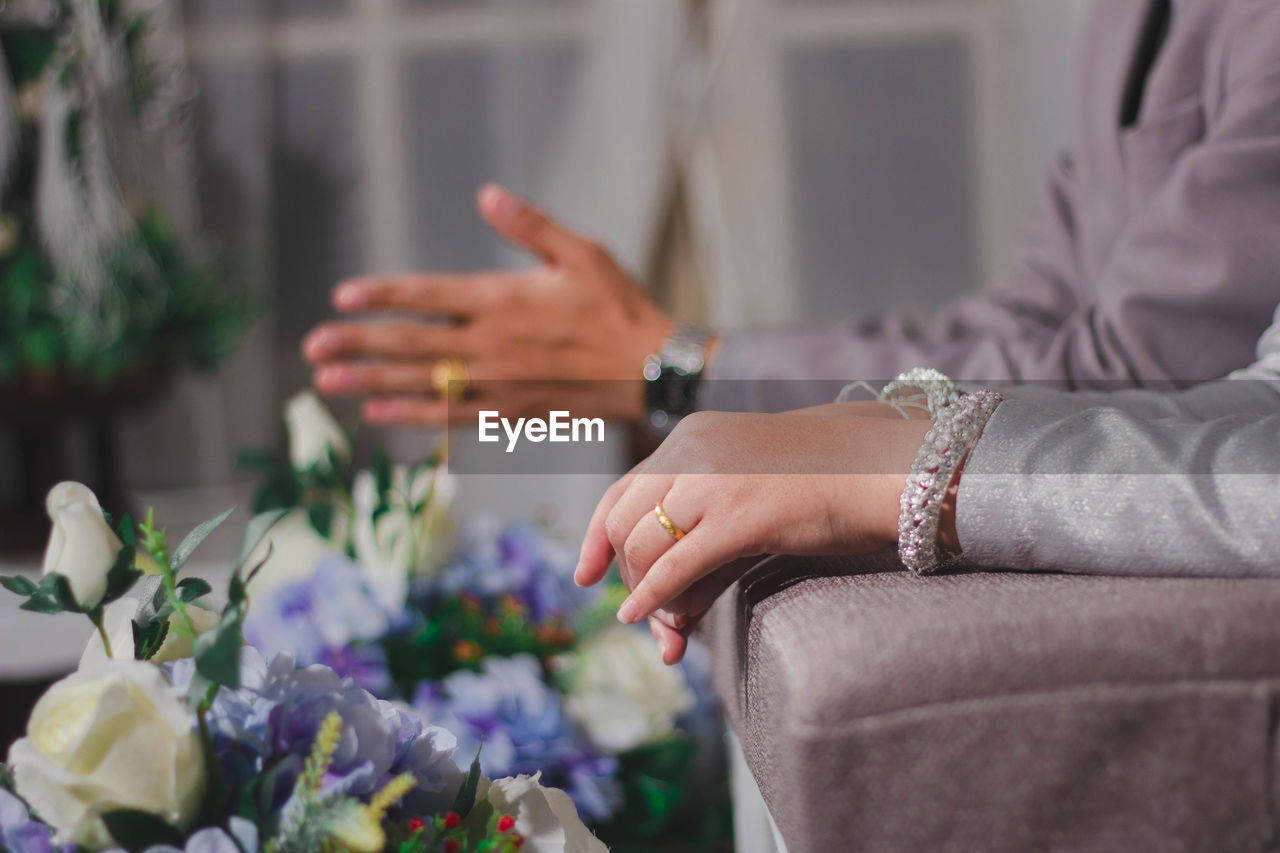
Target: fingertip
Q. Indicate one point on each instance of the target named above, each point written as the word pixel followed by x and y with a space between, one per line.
pixel 319 344
pixel 497 204
pixel 350 295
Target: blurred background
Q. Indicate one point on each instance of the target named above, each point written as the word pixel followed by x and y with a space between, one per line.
pixel 750 160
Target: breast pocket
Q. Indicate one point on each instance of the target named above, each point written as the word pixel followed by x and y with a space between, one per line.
pixel 1153 147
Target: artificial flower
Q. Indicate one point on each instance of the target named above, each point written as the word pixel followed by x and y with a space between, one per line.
pixel 403 531
pixel 82 546
pixel 288 553
pixel 117 622
pixel 544 817
pixel 115 737
pixel 622 693
pixel 313 434
pixel 519 719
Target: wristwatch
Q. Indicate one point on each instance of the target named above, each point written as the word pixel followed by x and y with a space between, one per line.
pixel 672 376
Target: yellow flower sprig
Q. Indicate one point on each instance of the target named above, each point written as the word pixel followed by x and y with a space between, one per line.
pixel 322 752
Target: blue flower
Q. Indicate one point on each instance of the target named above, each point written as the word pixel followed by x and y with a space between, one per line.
pixel 18 832
pixel 274 717
pixel 521 559
pixel 520 722
pixel 331 617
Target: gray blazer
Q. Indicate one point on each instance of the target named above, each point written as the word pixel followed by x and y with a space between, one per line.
pixel 1156 257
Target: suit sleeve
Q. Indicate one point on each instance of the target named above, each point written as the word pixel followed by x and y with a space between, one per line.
pixel 1189 285
pixel 1163 484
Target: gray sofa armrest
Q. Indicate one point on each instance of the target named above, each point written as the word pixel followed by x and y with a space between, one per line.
pixel 1003 712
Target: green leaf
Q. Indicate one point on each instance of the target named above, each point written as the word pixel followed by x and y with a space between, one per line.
pixel 217 652
pixel 189 589
pixel 466 799
pixel 125 529
pixel 6 777
pixel 152 600
pixel 123 574
pixel 147 639
pixel 257 529
pixel 193 539
pixel 53 596
pixel 18 584
pixel 321 518
pixel 382 470
pixel 137 830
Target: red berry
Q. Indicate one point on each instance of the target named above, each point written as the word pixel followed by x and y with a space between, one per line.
pixel 416 823
pixel 518 841
pixel 452 819
pixel 506 823
pixel 452 845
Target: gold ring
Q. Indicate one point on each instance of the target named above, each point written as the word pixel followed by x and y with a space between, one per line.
pixel 450 378
pixel 667 524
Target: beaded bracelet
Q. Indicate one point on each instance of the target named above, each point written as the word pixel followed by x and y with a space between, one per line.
pixel 938 389
pixel 955 430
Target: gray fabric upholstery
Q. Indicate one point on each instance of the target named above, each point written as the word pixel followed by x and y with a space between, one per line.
pixel 1002 711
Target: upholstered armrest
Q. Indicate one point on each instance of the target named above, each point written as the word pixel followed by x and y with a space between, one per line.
pixel 992 712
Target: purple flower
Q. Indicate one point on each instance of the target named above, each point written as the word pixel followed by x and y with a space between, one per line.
pixel 275 715
pixel 521 559
pixel 520 722
pixel 331 618
pixel 18 832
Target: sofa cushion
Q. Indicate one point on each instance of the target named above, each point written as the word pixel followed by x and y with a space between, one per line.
pixel 1003 711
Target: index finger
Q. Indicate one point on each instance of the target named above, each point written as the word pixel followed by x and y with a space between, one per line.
pixel 459 295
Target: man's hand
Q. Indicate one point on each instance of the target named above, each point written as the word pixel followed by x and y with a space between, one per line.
pixel 570 334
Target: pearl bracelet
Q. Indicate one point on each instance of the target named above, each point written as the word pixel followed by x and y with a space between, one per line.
pixel 938 389
pixel 955 430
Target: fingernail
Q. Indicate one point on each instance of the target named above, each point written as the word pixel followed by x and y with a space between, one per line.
pixel 629 612
pixel 502 205
pixel 577 572
pixel 350 297
pixel 662 647
pixel 322 343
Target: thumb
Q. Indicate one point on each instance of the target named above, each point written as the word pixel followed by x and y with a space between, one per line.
pixel 526 226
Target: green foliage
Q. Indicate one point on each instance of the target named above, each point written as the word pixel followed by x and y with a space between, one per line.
pixel 155 541
pixel 658 803
pixel 135 830
pixel 458 632
pixel 53 594
pixel 466 799
pixel 170 301
pixel 148 638
pixel 193 539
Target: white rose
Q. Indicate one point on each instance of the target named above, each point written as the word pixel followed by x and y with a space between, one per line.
pixel 117 621
pixel 295 548
pixel 313 433
pixel 112 738
pixel 82 546
pixel 401 542
pixel 622 693
pixel 545 817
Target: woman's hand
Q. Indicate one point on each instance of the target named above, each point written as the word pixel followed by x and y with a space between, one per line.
pixel 571 333
pixel 819 481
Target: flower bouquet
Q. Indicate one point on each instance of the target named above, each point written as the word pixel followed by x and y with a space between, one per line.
pixel 174 735
pixel 481 628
